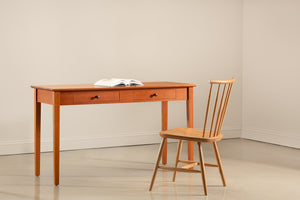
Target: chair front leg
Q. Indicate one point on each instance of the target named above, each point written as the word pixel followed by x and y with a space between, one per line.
pixel 157 162
pixel 202 167
pixel 219 163
pixel 179 147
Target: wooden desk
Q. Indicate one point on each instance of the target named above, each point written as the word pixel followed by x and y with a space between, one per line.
pixel 58 95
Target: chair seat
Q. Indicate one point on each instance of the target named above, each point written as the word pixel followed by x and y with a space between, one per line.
pixel 191 134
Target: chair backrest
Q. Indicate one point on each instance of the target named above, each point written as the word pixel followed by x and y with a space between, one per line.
pixel 217 103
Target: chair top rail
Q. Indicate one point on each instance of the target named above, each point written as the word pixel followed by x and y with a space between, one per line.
pixel 222 81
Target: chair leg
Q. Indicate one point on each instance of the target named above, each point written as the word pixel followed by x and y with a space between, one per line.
pixel 202 167
pixel 157 162
pixel 179 147
pixel 219 163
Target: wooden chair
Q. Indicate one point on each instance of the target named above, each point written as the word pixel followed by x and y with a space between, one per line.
pixel 215 112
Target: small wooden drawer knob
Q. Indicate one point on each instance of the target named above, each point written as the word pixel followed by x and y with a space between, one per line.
pixel 95 97
pixel 154 95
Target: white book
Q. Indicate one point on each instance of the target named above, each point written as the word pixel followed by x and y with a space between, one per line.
pixel 115 82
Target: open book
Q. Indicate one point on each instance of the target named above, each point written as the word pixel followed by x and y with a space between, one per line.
pixel 113 82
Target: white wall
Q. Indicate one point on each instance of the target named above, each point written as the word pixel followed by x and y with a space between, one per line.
pixel 271 71
pixel 81 41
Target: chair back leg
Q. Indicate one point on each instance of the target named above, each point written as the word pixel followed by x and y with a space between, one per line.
pixel 202 167
pixel 219 163
pixel 157 162
pixel 179 147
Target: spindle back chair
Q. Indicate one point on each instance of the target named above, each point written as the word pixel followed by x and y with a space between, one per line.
pixel 217 103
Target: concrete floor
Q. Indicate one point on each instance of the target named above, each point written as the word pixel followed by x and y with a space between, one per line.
pixel 253 170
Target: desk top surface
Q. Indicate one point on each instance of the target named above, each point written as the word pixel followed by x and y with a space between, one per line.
pixel 81 87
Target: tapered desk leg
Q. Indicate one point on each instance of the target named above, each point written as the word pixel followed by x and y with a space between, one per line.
pixel 190 121
pixel 164 126
pixel 37 133
pixel 56 116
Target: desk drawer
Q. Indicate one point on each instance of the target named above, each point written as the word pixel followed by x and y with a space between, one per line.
pixel 90 97
pixel 147 95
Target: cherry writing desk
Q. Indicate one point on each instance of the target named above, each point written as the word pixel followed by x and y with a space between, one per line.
pixel 59 95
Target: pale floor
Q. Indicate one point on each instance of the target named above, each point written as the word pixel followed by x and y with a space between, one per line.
pixel 253 170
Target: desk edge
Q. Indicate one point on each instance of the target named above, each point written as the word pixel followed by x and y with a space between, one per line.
pixel 48 87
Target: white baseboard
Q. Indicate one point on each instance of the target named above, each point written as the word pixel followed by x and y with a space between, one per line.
pixel 27 146
pixel 271 136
